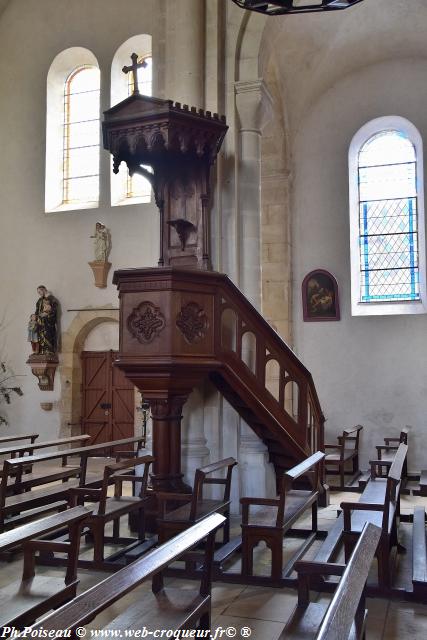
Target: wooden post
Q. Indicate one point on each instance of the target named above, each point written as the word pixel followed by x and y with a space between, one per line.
pixel 166 414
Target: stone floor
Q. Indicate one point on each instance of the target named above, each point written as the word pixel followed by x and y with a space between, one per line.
pixel 264 610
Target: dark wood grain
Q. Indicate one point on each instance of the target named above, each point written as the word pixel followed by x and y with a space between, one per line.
pixel 347 450
pixel 168 366
pixel 380 505
pixel 23 601
pixel 86 606
pixel 268 519
pixel 196 505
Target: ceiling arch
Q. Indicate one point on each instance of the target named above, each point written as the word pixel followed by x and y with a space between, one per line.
pixel 313 51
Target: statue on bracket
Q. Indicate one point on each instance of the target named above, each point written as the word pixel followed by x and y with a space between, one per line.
pixel 102 247
pixel 43 335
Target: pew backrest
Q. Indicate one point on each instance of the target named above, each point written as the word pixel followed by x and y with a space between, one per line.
pixel 44 526
pixel 23 449
pixel 309 468
pixel 86 606
pixel 347 600
pixel 15 438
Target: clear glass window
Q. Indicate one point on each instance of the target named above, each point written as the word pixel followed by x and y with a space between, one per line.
pixel 81 136
pixel 137 187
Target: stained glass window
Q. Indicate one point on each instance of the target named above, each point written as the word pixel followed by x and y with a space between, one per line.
pixel 388 219
pixel 81 136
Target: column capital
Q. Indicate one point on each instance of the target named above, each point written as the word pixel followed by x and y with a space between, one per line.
pixel 254 104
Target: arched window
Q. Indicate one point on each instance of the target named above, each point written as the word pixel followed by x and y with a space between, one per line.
pixel 72 131
pixel 124 189
pixel 387 219
pixel 80 182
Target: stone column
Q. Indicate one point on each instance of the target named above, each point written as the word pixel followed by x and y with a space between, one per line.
pixel 253 104
pixel 194 449
pixel 185 51
pixel 185 55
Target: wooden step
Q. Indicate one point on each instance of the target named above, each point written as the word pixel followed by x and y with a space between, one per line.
pixel 419 554
pixel 138 550
pixel 422 491
pixel 329 546
pixel 227 550
pixel 29 514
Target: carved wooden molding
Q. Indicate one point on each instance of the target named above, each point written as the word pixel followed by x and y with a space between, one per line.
pixel 193 322
pixel 146 322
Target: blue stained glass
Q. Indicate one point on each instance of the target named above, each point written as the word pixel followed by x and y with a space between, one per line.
pixel 388 219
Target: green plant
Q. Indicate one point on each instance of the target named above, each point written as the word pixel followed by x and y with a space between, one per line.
pixel 6 391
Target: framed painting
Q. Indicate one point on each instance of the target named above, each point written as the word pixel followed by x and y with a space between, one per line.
pixel 320 301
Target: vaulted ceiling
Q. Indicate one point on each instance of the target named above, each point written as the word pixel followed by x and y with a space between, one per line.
pixel 313 51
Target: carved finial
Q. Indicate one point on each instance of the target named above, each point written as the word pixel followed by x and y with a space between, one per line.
pixel 134 68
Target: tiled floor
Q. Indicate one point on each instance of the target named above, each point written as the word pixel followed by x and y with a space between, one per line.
pixel 263 611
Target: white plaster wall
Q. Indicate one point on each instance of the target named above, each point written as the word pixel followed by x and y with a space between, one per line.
pixel 54 249
pixel 368 370
pixel 103 337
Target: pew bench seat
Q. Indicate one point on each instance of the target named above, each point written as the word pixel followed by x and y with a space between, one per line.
pixel 197 506
pixel 297 501
pixel 344 617
pixel 306 623
pixel 23 601
pixel 269 519
pixel 179 607
pixel 28 599
pixel 379 504
pixel 58 480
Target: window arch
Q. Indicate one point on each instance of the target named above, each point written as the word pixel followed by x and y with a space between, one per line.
pixel 387 219
pixel 124 189
pixel 72 131
pixel 80 181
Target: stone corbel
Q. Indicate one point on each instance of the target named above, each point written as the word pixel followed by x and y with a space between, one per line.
pixel 43 367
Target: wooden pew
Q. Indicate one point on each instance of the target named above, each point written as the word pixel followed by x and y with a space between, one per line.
pixel 111 509
pixel 197 506
pixel 23 601
pixel 272 518
pixel 345 616
pixel 14 438
pixel 164 608
pixel 388 450
pixel 380 505
pixel 16 451
pixel 22 450
pixel 22 505
pixel 347 450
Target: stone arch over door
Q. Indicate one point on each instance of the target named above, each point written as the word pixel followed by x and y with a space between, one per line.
pixel 73 341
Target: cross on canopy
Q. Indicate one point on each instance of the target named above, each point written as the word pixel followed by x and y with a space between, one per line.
pixel 134 68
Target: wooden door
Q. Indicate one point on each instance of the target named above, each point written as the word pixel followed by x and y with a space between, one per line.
pixel 107 398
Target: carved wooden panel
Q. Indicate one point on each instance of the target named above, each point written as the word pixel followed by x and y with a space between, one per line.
pixel 146 322
pixel 193 322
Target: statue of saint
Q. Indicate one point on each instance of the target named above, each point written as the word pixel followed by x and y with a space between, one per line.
pixel 46 316
pixel 102 242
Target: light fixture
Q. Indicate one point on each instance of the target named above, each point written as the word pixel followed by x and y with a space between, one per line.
pixel 279 7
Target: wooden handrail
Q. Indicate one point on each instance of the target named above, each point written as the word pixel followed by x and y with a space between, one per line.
pixel 307 426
